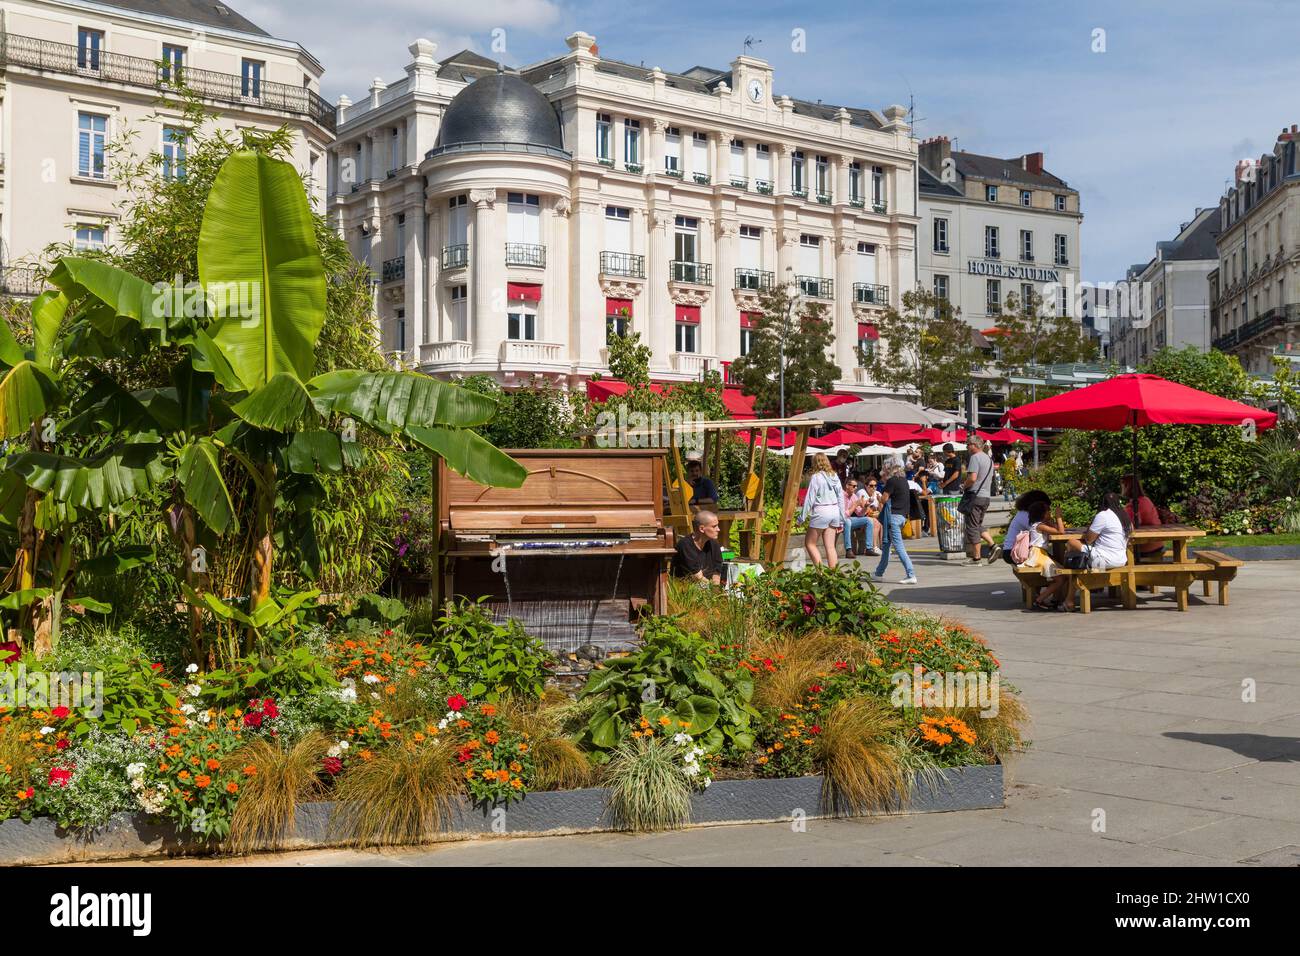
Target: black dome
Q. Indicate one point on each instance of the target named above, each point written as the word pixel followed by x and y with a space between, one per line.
pixel 500 112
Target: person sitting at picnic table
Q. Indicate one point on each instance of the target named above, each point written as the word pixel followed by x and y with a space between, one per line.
pixel 823 510
pixel 1105 542
pixel 704 491
pixel 1031 522
pixel 855 511
pixel 1148 516
pixel 699 555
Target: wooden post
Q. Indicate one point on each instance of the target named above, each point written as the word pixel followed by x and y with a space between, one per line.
pixel 791 497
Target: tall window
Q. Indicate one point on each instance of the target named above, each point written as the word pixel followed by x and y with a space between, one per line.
pixel 823 166
pixel 810 264
pixel 746 340
pixel 1027 245
pixel 604 142
pixel 940 235
pixel 992 248
pixel 1060 204
pixel 855 181
pixel 523 218
pixel 993 296
pixel 459 313
pixel 991 193
pixel 866 264
pixel 763 162
pixel 521 321
pixel 400 250
pixel 877 184
pixel 1026 296
pixel 1026 197
pixel 89 44
pixel 618 318
pixel 673 149
pixel 941 287
pixel 173 152
pixel 737 159
pixel 700 154
pixel 89 237
pixel 458 220
pixel 685 239
pixel 750 252
pixel 251 87
pixel 688 337
pixel 173 61
pixel 92 134
pixel 1062 250
pixel 797 182
pixel 618 229
pixel 632 141
pixel 401 330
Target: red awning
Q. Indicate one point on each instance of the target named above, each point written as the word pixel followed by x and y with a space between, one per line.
pixel 525 291
pixel 688 313
pixel 1137 400
pixel 616 307
pixel 1009 436
pixel 749 319
pixel 867 330
pixel 741 406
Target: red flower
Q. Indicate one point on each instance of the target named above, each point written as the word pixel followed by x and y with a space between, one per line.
pixel 464 754
pixel 809 603
pixel 333 766
pixel 893 639
pixel 388 633
pixel 252 719
pixel 269 710
pixel 29 793
pixel 456 702
pixel 10 651
pixel 61 776
pixel 841 665
pixel 58 713
pixel 815 729
pixel 155 667
pixel 62 743
pixel 814 688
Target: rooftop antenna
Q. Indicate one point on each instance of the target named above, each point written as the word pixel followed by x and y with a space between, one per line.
pixel 912 118
pixel 749 44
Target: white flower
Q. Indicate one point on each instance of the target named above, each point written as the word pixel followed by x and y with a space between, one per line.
pixel 193 690
pixel 187 708
pixel 204 717
pixel 682 739
pixel 199 821
pixel 692 769
pixel 333 751
pixel 370 679
pixel 348 694
pixel 442 724
pixel 374 696
pixel 192 669
pixel 134 769
pixel 707 781
pixel 344 745
pixel 46 730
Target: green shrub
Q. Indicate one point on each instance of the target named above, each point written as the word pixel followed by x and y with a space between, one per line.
pixel 483 659
pixel 819 597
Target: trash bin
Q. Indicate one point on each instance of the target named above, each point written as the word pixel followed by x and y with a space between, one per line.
pixel 952 524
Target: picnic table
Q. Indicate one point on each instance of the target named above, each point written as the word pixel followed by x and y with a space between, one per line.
pixel 1179 572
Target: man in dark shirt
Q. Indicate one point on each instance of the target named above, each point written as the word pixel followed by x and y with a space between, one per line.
pixel 699 556
pixel 951 484
pixel 704 491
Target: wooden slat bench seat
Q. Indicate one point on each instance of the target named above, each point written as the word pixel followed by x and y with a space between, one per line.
pixel 1222 570
pixel 1178 575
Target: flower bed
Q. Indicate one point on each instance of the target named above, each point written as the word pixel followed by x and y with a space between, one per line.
pixel 396 733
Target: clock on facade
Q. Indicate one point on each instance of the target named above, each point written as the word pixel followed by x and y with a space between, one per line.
pixel 755 90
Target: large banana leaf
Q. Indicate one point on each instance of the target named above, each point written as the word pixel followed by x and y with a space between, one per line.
pixel 315 451
pixel 471 455
pixel 26 393
pixel 277 405
pixel 48 310
pixel 104 481
pixel 11 353
pixel 126 294
pixel 205 489
pixel 392 401
pixel 258 235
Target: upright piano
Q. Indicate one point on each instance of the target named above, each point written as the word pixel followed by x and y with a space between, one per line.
pixel 575 554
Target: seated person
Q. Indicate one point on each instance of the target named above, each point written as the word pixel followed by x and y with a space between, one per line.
pixel 857 517
pixel 1148 516
pixel 1106 540
pixel 704 491
pixel 699 556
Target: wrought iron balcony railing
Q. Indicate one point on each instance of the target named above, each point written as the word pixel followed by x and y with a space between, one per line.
pixel 622 264
pixel 675 173
pixel 18 281
pixel 525 254
pixel 394 270
pixel 740 182
pixel 763 186
pixel 799 193
pixel 698 273
pixel 857 202
pixel 36 54
pixel 754 280
pixel 815 287
pixel 869 293
pixel 701 178
pixel 879 206
pixel 634 167
pixel 824 198
pixel 455 256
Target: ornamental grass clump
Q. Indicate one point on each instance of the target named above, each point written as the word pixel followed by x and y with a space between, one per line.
pixel 399 795
pixel 858 757
pixel 284 774
pixel 558 762
pixel 785 665
pixel 649 788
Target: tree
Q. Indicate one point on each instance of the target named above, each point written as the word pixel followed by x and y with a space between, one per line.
pixel 928 350
pixel 1028 335
pixel 793 335
pixel 629 359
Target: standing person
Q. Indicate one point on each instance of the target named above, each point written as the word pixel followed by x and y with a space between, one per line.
pixel 823 509
pixel 976 489
pixel 898 506
pixel 843 465
pixel 951 483
pixel 699 556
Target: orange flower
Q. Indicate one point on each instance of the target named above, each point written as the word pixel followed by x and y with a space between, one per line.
pixel 250 770
pixel 214 764
pixel 183 775
pixel 365 755
pixel 517 783
pixel 232 787
pixel 202 780
pixel 516 766
pixel 488 710
pixel 418 736
pixel 164 767
pixel 523 748
pixel 492 736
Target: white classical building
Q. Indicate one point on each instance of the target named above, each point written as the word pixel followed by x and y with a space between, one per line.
pixel 995 227
pixel 76 76
pixel 513 217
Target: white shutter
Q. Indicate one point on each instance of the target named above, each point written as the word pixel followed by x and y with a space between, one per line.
pixel 751 253
pixel 699 155
pixel 738 161
pixel 810 261
pixel 618 235
pixel 867 267
pixel 763 166
pixel 458 226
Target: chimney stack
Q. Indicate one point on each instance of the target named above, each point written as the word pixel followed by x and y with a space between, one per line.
pixel 933 153
pixel 1033 163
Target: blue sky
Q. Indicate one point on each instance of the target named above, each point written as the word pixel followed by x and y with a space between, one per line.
pixel 1147 130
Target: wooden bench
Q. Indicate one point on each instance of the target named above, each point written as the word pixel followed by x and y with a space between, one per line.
pixel 1222 570
pixel 1124 580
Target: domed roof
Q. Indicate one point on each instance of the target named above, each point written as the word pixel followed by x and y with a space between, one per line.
pixel 500 112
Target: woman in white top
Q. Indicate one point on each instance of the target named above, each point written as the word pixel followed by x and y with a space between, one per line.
pixel 823 509
pixel 1106 540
